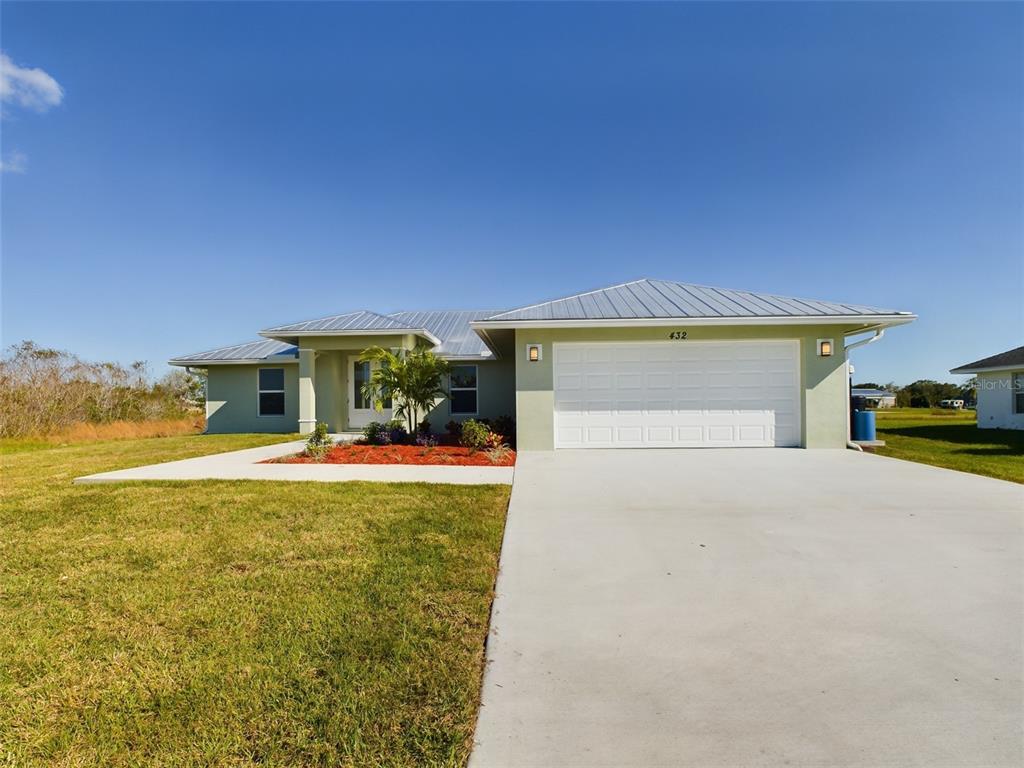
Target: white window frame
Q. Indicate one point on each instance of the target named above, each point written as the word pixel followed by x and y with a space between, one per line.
pixel 476 389
pixel 260 391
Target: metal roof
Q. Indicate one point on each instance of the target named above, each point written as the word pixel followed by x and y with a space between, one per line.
pixel 862 392
pixel 451 328
pixel 361 320
pixel 668 299
pixel 458 339
pixel 252 350
pixel 1012 358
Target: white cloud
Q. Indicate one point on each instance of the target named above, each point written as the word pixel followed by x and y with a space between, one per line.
pixel 30 88
pixel 14 162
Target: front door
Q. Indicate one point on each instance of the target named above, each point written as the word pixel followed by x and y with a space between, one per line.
pixel 360 409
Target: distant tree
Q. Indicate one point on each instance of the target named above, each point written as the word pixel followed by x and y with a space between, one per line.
pixel 969 391
pixel 44 390
pixel 867 385
pixel 926 393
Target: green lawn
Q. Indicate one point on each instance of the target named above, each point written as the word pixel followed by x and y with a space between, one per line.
pixel 236 623
pixel 951 439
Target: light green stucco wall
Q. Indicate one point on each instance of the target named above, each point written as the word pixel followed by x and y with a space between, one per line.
pixel 232 400
pixel 496 393
pixel 232 394
pixel 823 379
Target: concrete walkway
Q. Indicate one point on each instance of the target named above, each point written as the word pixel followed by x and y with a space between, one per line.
pixel 754 607
pixel 244 465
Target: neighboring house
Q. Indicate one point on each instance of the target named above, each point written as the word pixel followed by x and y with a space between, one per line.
pixel 650 363
pixel 877 398
pixel 1000 389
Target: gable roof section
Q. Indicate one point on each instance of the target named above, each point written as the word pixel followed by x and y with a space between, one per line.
pixel 252 351
pixel 648 299
pixel 1011 359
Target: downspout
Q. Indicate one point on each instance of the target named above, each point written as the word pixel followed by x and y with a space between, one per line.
pixel 846 353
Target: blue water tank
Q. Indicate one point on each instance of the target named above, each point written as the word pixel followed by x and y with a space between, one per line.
pixel 863 425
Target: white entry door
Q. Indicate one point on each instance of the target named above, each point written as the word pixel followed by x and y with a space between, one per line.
pixel 360 409
pixel 677 394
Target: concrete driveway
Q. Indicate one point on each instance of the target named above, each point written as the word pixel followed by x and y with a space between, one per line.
pixel 755 607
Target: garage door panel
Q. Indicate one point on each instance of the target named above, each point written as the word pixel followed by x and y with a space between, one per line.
pixel 677 394
pixel 597 355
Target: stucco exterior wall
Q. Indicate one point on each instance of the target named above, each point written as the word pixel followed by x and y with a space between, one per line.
pixel 995 401
pixel 232 397
pixel 823 396
pixel 232 400
pixel 496 393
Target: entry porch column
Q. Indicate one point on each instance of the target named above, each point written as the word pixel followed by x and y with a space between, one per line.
pixel 307 391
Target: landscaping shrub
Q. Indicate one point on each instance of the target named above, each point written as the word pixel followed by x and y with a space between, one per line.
pixel 497 454
pixel 376 433
pixel 397 432
pixel 426 440
pixel 506 427
pixel 319 442
pixel 474 435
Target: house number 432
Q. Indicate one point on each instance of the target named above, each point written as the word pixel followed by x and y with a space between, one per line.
pixel 678 335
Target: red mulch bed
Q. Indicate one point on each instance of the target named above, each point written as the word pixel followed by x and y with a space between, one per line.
pixel 445 455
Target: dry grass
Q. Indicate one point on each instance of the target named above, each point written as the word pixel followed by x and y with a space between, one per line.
pixel 84 432
pixel 129 430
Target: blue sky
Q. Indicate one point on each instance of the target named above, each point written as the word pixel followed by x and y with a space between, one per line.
pixel 206 170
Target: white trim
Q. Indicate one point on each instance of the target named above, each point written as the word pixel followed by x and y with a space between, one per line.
pixel 260 391
pixel 282 335
pixel 660 322
pixel 475 389
pixel 995 369
pixel 244 361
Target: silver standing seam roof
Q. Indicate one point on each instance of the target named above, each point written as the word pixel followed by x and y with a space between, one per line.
pixel 454 335
pixel 667 299
pixel 361 320
pixel 451 327
pixel 252 350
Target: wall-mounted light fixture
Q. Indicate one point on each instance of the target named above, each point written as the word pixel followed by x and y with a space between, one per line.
pixel 534 353
pixel 825 347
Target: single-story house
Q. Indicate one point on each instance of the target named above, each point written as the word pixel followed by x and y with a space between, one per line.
pixel 877 398
pixel 649 363
pixel 1000 389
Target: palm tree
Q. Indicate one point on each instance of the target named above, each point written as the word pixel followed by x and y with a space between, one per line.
pixel 411 378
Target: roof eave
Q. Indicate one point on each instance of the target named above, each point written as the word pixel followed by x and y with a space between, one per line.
pixel 284 360
pixel 287 336
pixel 988 368
pixel 883 321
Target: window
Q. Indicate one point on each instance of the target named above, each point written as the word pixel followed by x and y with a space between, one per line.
pixel 271 391
pixel 462 389
pixel 360 377
pixel 1018 392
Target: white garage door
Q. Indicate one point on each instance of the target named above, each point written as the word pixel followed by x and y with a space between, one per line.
pixel 677 394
